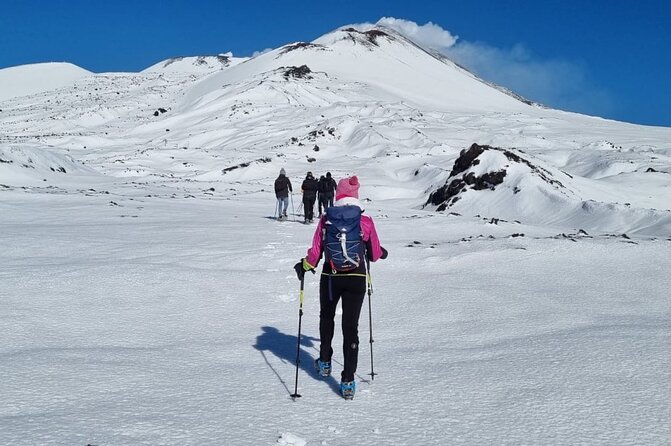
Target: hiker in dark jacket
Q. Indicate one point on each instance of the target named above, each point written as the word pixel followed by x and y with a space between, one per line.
pixel 329 188
pixel 282 189
pixel 321 190
pixel 309 189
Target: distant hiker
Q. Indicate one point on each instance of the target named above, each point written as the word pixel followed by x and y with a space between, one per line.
pixel 321 188
pixel 309 189
pixel 282 189
pixel 347 239
pixel 329 191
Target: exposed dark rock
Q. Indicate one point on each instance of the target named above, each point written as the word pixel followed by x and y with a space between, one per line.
pixel 370 36
pixel 650 169
pixel 488 180
pixel 573 237
pixel 314 134
pixel 300 46
pixel 446 195
pixel 302 72
pixel 467 159
pixel 237 166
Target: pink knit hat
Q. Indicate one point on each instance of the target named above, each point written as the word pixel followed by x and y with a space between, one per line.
pixel 348 187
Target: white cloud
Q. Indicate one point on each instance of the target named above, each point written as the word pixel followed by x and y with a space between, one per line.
pixel 258 53
pixel 559 84
pixel 360 26
pixel 428 35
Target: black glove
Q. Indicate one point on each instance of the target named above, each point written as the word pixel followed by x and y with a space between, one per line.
pixel 384 253
pixel 300 272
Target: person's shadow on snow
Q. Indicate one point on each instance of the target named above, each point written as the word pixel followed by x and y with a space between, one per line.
pixel 284 347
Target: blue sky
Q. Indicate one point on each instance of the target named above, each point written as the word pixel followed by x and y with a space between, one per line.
pixel 609 58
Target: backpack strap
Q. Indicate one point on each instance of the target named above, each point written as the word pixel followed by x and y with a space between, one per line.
pixel 343 245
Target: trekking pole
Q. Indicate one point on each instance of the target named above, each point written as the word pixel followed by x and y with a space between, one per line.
pixel 370 318
pixel 292 206
pixel 298 346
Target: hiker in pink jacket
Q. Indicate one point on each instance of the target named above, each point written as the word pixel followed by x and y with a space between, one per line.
pixel 348 240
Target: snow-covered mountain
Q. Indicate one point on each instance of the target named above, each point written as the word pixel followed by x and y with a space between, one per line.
pixel 351 100
pixel 38 78
pixel 381 61
pixel 148 295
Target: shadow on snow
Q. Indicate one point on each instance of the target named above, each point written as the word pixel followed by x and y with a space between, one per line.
pixel 283 346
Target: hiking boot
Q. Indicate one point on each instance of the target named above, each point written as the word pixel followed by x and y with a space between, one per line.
pixel 323 367
pixel 347 389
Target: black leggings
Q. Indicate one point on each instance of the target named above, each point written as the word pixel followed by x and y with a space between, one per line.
pixel 352 290
pixel 309 206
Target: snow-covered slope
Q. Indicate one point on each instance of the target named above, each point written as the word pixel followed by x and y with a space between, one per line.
pixel 26 166
pixel 195 64
pixel 37 78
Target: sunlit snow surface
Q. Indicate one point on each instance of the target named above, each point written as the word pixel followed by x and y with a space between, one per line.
pixel 147 295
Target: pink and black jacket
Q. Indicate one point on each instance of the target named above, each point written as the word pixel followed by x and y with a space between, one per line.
pixel 370 238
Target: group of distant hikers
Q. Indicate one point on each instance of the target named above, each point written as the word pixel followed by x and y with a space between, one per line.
pixel 322 191
pixel 348 241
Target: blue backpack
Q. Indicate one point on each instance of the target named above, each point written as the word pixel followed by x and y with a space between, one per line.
pixel 343 241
